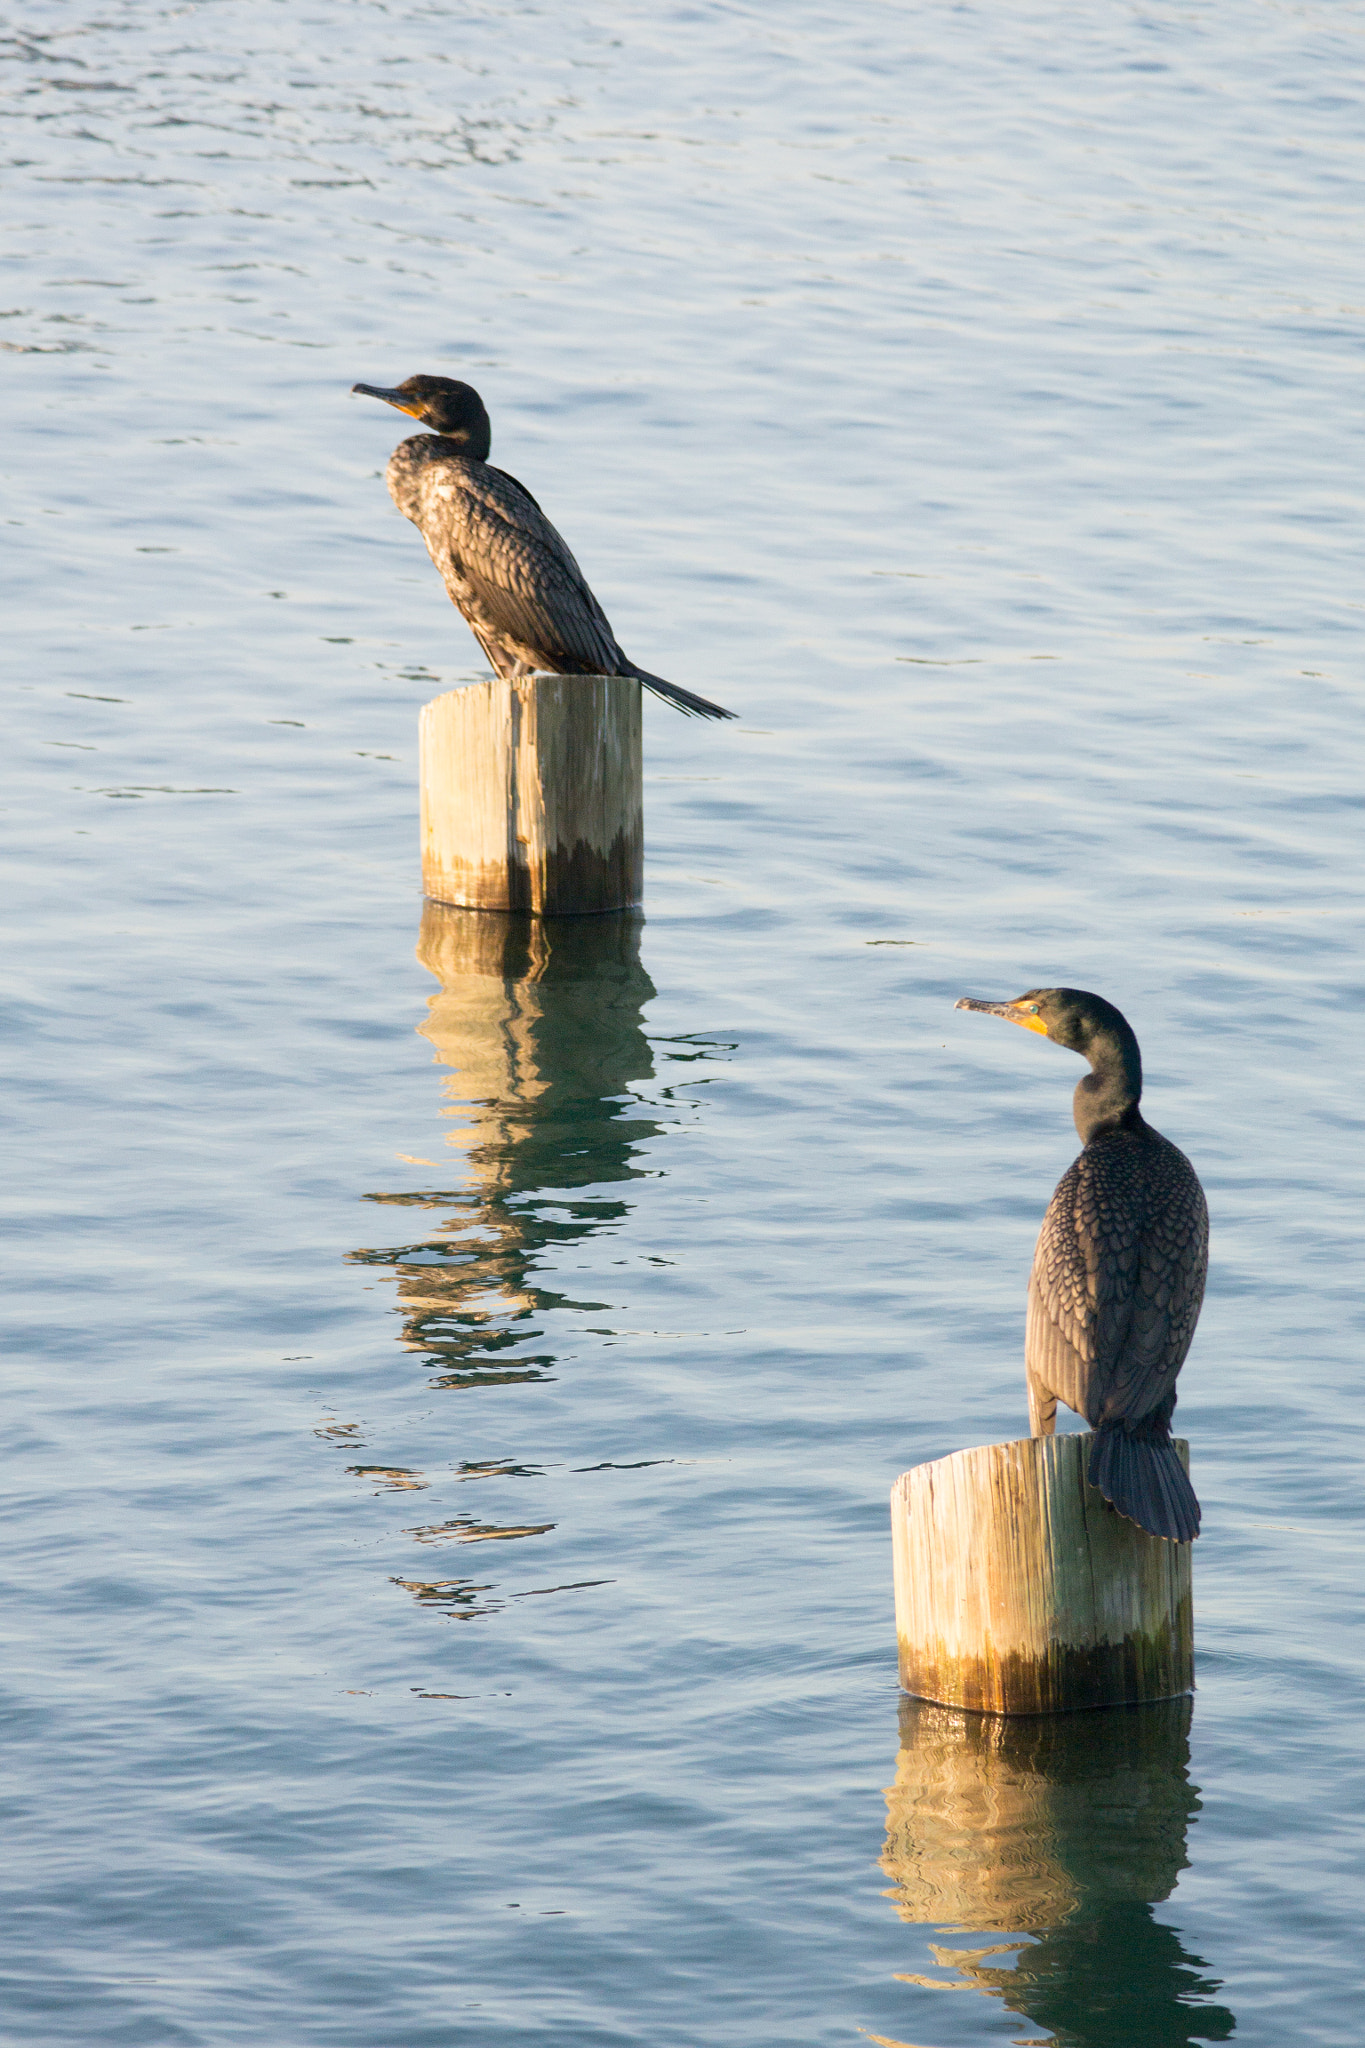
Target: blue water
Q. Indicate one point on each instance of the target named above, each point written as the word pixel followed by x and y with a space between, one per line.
pixel 450 1433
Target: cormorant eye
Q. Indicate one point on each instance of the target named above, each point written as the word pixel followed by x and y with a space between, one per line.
pixel 1033 1009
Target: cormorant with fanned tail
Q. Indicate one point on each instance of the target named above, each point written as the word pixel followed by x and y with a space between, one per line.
pixel 1118 1276
pixel 523 595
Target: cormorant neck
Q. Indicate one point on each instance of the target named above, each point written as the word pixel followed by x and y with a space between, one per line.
pixel 474 442
pixel 1107 1097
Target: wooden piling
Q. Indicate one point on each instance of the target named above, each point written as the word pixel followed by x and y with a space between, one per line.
pixel 1019 1590
pixel 532 795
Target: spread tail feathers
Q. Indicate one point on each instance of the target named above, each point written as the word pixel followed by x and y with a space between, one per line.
pixel 673 693
pixel 1144 1479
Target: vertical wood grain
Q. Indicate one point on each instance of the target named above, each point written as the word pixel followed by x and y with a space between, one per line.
pixel 1019 1590
pixel 532 795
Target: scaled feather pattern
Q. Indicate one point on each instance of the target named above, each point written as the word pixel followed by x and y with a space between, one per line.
pixel 1118 1279
pixel 510 572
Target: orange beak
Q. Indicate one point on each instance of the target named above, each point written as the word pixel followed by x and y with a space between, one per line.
pixel 1013 1013
pixel 390 397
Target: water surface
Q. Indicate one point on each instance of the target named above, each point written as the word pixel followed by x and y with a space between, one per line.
pixel 455 1382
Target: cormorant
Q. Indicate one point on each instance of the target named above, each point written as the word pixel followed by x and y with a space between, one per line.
pixel 1118 1276
pixel 523 595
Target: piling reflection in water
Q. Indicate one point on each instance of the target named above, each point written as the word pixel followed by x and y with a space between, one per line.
pixel 541 1024
pixel 1061 1831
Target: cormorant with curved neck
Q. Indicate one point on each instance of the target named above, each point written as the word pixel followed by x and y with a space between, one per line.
pixel 1118 1276
pixel 523 595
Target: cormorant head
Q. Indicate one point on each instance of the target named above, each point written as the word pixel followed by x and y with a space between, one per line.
pixel 445 406
pixel 1068 1016
pixel 1086 1024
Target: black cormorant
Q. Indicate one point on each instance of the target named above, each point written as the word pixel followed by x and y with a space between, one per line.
pixel 1118 1276
pixel 523 595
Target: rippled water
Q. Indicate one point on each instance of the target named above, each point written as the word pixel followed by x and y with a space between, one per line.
pixel 451 1414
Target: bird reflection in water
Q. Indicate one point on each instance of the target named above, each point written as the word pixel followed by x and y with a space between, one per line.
pixel 1060 1833
pixel 541 1023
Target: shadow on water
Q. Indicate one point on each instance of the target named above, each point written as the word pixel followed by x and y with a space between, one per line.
pixel 1061 1833
pixel 541 1024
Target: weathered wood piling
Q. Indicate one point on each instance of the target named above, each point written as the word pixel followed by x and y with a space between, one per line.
pixel 532 795
pixel 1019 1590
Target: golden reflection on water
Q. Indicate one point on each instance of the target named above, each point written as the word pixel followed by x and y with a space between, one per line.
pixel 541 1025
pixel 1061 1831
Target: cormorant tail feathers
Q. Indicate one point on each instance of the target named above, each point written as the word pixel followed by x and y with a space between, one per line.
pixel 1141 1475
pixel 673 693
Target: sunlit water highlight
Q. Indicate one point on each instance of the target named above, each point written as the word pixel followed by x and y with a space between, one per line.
pixel 451 1416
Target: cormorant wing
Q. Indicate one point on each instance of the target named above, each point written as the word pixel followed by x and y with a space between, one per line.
pixel 1059 1345
pixel 511 571
pixel 1118 1278
pixel 1160 1316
